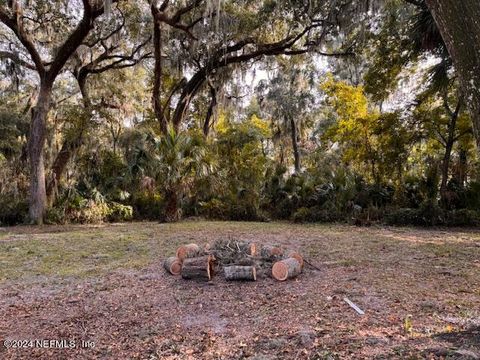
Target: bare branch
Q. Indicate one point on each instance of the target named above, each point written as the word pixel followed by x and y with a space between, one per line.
pixel 16 59
pixel 13 24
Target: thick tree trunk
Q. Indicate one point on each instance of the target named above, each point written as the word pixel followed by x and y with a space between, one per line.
pixel 172 212
pixel 36 142
pixel 296 152
pixel 458 22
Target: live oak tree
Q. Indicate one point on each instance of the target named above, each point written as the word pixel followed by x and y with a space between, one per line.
pixel 205 37
pixel 288 99
pixel 117 44
pixel 460 28
pixel 47 55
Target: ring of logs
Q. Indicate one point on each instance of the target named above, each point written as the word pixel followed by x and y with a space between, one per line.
pixel 240 260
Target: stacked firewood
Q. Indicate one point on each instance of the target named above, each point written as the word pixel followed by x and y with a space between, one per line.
pixel 238 260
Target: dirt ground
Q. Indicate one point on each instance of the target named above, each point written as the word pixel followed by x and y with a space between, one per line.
pixel 103 291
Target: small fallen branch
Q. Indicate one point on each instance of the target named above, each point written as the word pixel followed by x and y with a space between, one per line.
pixel 312 265
pixel 354 306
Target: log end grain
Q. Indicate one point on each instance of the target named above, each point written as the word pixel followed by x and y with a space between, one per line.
pixel 173 265
pixel 295 255
pixel 286 269
pixel 188 251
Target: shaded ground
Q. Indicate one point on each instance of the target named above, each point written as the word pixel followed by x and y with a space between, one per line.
pixel 105 285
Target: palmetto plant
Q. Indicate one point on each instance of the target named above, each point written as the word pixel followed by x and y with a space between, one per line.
pixel 180 159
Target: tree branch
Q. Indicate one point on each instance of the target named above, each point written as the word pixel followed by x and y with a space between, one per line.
pixel 16 59
pixel 13 24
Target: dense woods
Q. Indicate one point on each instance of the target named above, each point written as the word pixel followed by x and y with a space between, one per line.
pixel 310 111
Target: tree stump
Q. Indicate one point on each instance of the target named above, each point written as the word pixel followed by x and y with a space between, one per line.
pixel 173 265
pixel 295 255
pixel 286 269
pixel 199 268
pixel 188 251
pixel 240 273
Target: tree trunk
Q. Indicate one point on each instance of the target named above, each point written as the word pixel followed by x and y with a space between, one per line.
pixel 452 126
pixel 458 22
pixel 172 212
pixel 69 146
pixel 296 152
pixel 211 107
pixel 36 142
pixel 461 171
pixel 157 81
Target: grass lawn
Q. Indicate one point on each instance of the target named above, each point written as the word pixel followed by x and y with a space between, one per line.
pixel 105 285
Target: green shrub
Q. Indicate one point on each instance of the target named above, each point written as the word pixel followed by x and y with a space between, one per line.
pixel 402 217
pixel 120 212
pixel 302 215
pixel 214 209
pixel 430 214
pixel 148 206
pixel 13 210
pixel 88 212
pixel 56 215
pixel 316 214
pixel 463 217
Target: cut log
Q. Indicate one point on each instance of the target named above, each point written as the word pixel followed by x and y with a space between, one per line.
pixel 249 248
pixel 199 268
pixel 295 255
pixel 286 269
pixel 270 251
pixel 188 251
pixel 240 273
pixel 173 265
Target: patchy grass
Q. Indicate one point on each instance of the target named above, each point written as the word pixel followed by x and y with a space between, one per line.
pixel 105 284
